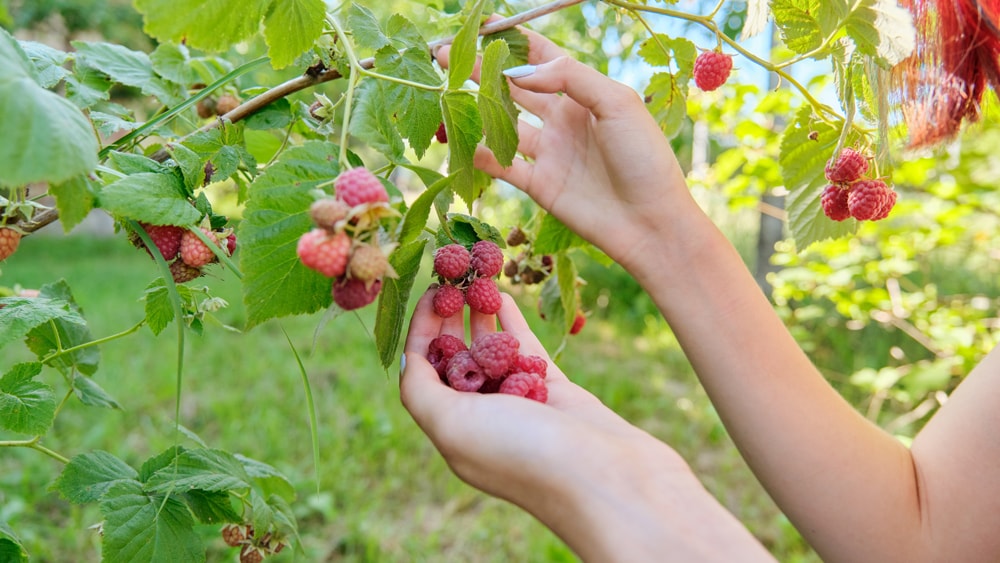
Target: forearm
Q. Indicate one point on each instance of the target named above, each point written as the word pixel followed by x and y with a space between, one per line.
pixel 849 487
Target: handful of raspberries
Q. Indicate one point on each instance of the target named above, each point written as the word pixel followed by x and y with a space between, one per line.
pixel 493 364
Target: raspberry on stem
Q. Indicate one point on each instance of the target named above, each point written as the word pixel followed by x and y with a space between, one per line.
pixel 325 253
pixel 351 294
pixel 850 165
pixel 9 241
pixel 866 198
pixel 834 202
pixel 483 296
pixel 358 186
pixel 194 252
pixel 486 259
pixel 711 70
pixel 447 301
pixel 451 261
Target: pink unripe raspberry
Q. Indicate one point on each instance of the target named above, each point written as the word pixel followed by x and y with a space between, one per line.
pixel 530 364
pixel 194 252
pixel 523 384
pixel 182 272
pixel 448 300
pixel 442 349
pixel 495 353
pixel 451 261
pixel 711 70
pixel 368 263
pixel 325 253
pixel 850 165
pixel 483 296
pixel 486 259
pixel 351 294
pixel 326 212
pixel 464 374
pixel 357 186
pixel 9 241
pixel 834 202
pixel 866 198
pixel 167 239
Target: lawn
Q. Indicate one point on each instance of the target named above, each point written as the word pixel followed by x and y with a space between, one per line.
pixel 380 491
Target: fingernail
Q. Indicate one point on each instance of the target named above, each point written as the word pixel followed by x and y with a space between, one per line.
pixel 434 51
pixel 519 71
pixel 402 364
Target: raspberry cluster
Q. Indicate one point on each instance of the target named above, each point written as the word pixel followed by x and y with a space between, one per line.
pixel 711 69
pixel 252 549
pixel 184 250
pixel 526 268
pixel 467 277
pixel 851 194
pixel 9 241
pixel 492 364
pixel 342 245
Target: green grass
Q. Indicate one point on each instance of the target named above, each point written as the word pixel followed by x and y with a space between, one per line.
pixel 381 493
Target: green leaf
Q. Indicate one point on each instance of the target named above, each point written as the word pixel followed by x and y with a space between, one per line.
pixel 667 91
pixel 416 218
pixel 158 462
pixel 26 406
pixel 365 28
pixel 91 394
pixel 462 57
pixel 495 105
pixel 417 111
pixel 802 168
pixel 11 550
pixel 211 507
pixel 129 163
pixel 42 340
pixel 173 62
pixel 143 528
pixel 467 230
pixel 212 25
pixel 128 67
pixel 275 115
pixel 882 29
pixel 75 199
pixel 21 314
pixel 87 86
pixel 268 479
pixel 554 237
pixel 275 282
pixel 157 199
pixel 291 27
pixel 45 137
pixel 393 299
pixel 159 309
pixel 88 476
pixel 192 167
pixel 464 125
pixel 802 29
pixel 203 469
pixel 48 62
pixel 371 123
pixel 517 43
pixel 566 277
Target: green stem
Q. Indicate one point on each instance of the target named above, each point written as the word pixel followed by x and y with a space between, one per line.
pixel 97 342
pixel 349 96
pixel 33 444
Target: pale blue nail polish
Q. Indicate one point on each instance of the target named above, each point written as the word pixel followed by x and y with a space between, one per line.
pixel 519 71
pixel 402 364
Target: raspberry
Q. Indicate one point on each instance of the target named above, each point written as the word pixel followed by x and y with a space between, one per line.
pixel 226 104
pixel 511 269
pixel 368 263
pixel 711 70
pixel 523 384
pixel 530 364
pixel 492 385
pixel 464 373
pixel 357 186
pixel 231 243
pixel 441 134
pixel 206 108
pixel 352 294
pixel 483 296
pixel 167 238
pixel 442 349
pixel 848 167
pixel 451 261
pixel 834 202
pixel 327 254
pixel 487 259
pixel 327 212
pixel 182 272
pixel 448 300
pixel 233 535
pixel 516 237
pixel 866 198
pixel 578 323
pixel 9 240
pixel 888 202
pixel 251 554
pixel 193 251
pixel 495 353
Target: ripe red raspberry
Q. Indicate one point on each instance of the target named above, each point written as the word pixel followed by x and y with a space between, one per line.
pixel 167 238
pixel 231 243
pixel 866 198
pixel 442 349
pixel 233 534
pixel 578 323
pixel 483 296
pixel 711 70
pixel 367 263
pixel 451 261
pixel 352 294
pixel 464 373
pixel 326 212
pixel 851 165
pixel 530 364
pixel 834 202
pixel 448 300
pixel 193 251
pixel 182 272
pixel 888 202
pixel 325 253
pixel 9 241
pixel 441 134
pixel 486 259
pixel 357 186
pixel 495 353
pixel 523 384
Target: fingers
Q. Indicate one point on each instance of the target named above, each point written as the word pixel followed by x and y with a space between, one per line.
pixel 586 86
pixel 517 174
pixel 424 326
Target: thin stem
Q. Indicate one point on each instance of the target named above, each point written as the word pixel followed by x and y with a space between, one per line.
pixel 97 342
pixel 33 444
pixel 349 96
